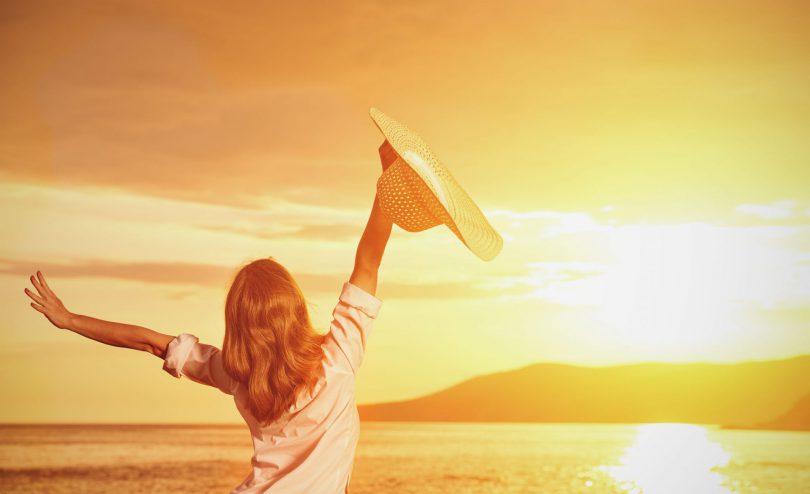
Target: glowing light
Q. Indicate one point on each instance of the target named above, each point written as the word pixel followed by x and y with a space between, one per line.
pixel 672 458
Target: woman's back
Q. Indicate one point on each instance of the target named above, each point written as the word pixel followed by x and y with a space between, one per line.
pixel 280 371
pixel 310 448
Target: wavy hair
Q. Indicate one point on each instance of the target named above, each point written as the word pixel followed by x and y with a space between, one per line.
pixel 270 345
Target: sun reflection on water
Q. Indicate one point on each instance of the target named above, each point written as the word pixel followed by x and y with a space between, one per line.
pixel 672 458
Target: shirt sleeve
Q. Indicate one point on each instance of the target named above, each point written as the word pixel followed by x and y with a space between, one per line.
pixel 186 356
pixel 351 324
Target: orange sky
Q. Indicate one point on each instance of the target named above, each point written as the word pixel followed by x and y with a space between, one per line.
pixel 646 164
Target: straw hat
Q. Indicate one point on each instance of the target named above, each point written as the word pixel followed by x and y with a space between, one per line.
pixel 418 192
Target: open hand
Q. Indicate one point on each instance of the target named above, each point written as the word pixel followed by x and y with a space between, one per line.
pixel 48 303
pixel 387 154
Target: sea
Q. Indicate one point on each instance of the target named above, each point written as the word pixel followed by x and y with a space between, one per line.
pixel 418 457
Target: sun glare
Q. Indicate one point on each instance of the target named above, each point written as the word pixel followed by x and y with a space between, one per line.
pixel 671 459
pixel 669 290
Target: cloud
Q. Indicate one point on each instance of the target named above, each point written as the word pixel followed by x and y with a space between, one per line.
pixel 175 273
pixel 201 102
pixel 669 267
pixel 214 276
pixel 548 223
pixel 324 232
pixel 153 118
pixel 771 211
pixel 569 271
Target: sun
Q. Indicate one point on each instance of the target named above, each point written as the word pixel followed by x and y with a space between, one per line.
pixel 671 291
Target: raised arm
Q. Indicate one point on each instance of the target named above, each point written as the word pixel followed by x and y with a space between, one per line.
pixel 375 237
pixel 107 332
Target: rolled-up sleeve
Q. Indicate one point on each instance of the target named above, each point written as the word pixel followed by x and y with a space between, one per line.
pixel 186 356
pixel 352 320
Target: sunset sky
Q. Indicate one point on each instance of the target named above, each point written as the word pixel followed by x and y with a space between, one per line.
pixel 648 167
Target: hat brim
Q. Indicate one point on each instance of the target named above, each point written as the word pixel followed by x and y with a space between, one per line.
pixel 460 213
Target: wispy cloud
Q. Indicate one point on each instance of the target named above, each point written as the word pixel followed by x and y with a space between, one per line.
pixel 214 276
pixel 175 273
pixel 327 232
pixel 547 223
pixel 201 102
pixel 771 211
pixel 568 271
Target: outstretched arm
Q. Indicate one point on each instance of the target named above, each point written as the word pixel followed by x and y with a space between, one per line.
pixel 107 332
pixel 375 237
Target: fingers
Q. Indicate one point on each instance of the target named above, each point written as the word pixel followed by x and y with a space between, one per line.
pixel 35 282
pixel 44 283
pixel 38 308
pixel 42 286
pixel 36 299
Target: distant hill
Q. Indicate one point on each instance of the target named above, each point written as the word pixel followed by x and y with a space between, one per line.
pixel 797 418
pixel 741 393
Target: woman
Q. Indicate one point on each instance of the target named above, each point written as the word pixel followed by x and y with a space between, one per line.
pixel 293 387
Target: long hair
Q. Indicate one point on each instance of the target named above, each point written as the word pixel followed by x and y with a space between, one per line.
pixel 270 345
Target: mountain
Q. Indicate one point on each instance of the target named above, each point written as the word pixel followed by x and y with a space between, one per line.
pixel 740 393
pixel 797 418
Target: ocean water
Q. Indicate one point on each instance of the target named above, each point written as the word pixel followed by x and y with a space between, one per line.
pixel 412 457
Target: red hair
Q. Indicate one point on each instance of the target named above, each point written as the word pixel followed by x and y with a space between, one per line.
pixel 270 345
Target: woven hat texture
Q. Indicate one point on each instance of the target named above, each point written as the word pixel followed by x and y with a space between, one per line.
pixel 418 192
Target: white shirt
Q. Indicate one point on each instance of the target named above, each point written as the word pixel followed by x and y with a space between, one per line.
pixel 309 449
